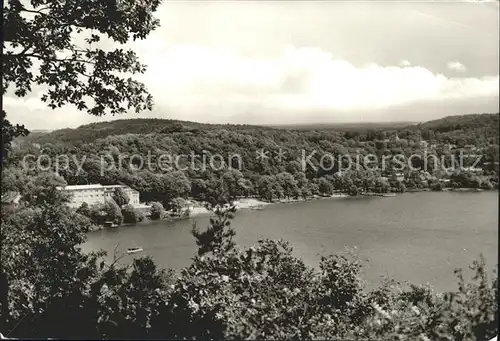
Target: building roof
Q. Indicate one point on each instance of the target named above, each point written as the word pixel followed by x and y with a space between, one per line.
pixel 92 186
pixel 115 186
pixel 79 187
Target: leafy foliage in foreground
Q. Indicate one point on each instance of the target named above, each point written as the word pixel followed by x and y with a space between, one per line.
pixel 53 289
pixel 9 133
pixel 266 292
pixel 40 51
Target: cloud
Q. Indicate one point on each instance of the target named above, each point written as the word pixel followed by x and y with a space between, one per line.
pixel 30 103
pixel 404 62
pixel 308 78
pixel 210 84
pixel 456 66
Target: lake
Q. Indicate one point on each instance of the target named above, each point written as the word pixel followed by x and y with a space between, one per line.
pixel 418 237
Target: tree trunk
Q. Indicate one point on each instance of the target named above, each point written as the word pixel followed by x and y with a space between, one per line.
pixel 4 301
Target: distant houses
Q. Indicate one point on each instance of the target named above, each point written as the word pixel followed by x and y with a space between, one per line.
pixel 475 170
pixel 97 194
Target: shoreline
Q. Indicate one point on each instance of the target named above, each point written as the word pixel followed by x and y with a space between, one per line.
pixel 256 204
pixel 197 209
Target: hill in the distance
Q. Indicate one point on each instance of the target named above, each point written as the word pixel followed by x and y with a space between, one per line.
pixel 90 132
pixel 343 127
pixel 93 131
pixel 460 122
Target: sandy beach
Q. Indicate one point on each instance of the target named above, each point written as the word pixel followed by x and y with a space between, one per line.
pixel 197 208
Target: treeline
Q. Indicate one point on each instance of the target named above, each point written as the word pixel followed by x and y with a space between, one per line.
pixel 293 166
pixel 94 131
pixel 461 130
pixel 52 289
pixel 462 123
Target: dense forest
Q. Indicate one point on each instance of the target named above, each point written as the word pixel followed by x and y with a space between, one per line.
pixel 451 129
pixel 204 158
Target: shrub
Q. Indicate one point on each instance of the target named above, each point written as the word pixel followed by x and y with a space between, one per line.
pixel 438 186
pixel 186 212
pixel 264 292
pixel 486 184
pixel 120 197
pixel 157 211
pixel 84 210
pixel 177 206
pixel 130 214
pixel 98 214
pixel 140 216
pixel 113 212
pixel 353 190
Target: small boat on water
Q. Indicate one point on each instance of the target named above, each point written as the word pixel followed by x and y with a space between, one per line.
pixel 134 250
pixel 389 195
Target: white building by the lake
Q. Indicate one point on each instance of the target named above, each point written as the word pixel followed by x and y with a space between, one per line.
pixel 97 194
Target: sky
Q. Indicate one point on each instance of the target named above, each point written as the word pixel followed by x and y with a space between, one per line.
pixel 285 62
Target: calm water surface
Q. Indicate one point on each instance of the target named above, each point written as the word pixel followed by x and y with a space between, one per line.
pixel 418 237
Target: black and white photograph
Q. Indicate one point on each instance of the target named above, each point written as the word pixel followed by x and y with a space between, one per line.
pixel 250 170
